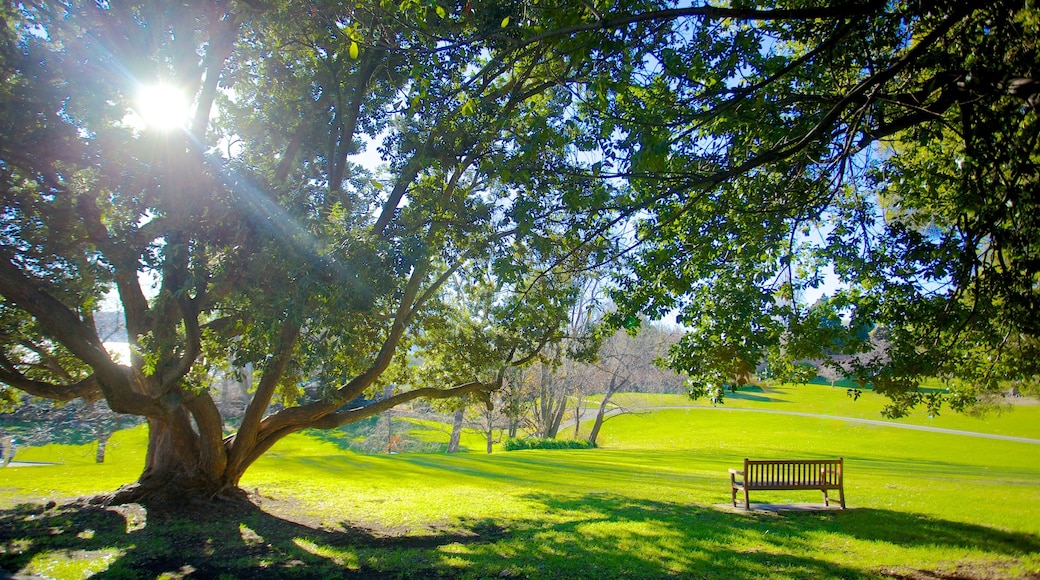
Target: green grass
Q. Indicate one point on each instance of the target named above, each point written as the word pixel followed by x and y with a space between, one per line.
pixel 75 473
pixel 649 503
pixel 1018 421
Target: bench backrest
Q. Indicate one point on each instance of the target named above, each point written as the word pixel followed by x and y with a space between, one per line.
pixel 793 471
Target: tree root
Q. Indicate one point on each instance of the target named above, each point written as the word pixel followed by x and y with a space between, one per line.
pixel 170 498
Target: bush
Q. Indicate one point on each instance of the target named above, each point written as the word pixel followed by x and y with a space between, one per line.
pixel 516 444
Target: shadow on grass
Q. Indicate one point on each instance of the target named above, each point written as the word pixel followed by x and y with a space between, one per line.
pixel 719 543
pixel 591 536
pixel 225 541
pixel 756 398
pixel 755 393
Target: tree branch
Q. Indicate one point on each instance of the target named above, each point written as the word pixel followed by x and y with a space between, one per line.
pixel 62 325
pixel 248 430
pixel 218 50
pixel 369 65
pixel 715 13
pixel 213 457
pixel 333 420
pixel 88 388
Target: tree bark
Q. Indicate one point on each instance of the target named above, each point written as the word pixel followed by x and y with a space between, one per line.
pixel 174 474
pixel 456 431
pixel 598 423
pixel 579 412
pixel 557 418
pixel 102 442
pixel 601 414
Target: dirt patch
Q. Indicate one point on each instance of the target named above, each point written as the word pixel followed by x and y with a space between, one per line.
pixel 1022 401
pixel 963 571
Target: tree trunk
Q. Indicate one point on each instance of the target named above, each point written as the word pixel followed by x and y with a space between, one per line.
pixel 177 470
pixel 579 412
pixel 456 431
pixel 102 441
pixel 556 419
pixel 600 414
pixel 490 440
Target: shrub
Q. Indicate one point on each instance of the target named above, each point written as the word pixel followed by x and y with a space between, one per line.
pixel 516 444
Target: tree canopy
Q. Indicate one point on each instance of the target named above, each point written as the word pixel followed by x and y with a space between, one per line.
pixel 885 153
pixel 719 158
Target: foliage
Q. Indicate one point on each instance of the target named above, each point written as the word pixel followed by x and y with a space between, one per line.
pixel 882 153
pixel 729 154
pixel 519 444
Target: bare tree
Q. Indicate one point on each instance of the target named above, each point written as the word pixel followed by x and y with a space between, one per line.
pixel 626 362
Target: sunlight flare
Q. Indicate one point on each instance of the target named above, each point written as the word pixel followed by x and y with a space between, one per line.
pixel 162 106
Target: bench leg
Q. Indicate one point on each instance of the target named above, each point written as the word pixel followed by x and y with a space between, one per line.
pixel 747 502
pixel 733 494
pixel 826 500
pixel 841 496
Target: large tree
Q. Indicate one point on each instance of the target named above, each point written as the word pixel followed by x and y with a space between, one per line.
pixel 515 134
pixel 246 236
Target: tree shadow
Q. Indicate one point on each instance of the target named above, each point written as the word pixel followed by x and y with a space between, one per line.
pixel 756 398
pixel 232 541
pixel 714 543
pixel 593 535
pixel 755 393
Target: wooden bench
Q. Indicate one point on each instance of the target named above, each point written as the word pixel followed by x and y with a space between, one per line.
pixel 821 474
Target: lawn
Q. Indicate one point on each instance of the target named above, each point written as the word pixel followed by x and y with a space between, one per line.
pixel 1021 420
pixel 651 502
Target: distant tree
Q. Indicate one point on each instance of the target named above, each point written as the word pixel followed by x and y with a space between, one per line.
pixel 490 420
pixel 456 430
pixel 38 421
pixel 480 332
pixel 103 422
pixel 549 392
pixel 514 402
pixel 627 362
pixel 560 377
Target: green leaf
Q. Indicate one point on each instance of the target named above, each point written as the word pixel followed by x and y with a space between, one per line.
pixel 442 12
pixel 505 22
pixel 354 50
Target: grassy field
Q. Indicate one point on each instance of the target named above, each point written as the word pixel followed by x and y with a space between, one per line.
pixel 1021 420
pixel 652 502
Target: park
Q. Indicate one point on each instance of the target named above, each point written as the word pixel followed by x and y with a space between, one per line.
pixel 650 502
pixel 520 288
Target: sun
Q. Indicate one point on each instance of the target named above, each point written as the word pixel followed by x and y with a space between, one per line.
pixel 162 106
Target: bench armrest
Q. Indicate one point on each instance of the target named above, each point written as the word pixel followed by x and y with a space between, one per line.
pixel 735 472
